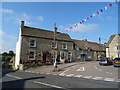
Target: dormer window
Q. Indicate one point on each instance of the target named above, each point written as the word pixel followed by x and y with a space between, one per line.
pixel 32 43
pixel 64 45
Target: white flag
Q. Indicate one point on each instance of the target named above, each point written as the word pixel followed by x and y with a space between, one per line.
pixel 84 19
pixel 105 7
pixel 94 15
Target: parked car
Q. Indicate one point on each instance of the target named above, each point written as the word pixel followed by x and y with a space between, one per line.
pixel 116 62
pixel 100 58
pixel 105 61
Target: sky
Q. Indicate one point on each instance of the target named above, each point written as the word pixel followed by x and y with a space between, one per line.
pixel 65 14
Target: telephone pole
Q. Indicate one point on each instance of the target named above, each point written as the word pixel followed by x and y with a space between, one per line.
pixel 55 31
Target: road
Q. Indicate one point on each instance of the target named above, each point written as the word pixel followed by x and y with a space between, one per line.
pixel 78 75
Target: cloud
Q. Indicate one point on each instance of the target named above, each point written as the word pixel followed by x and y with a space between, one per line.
pixel 40 18
pixel 109 18
pixel 3 34
pixel 85 27
pixel 81 28
pixel 6 11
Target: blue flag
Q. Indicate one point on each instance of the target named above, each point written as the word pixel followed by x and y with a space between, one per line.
pixel 101 10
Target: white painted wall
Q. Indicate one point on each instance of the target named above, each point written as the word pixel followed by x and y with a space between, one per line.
pixel 18 51
pixel 113 52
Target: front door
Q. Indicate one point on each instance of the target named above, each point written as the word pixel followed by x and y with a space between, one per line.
pixel 44 57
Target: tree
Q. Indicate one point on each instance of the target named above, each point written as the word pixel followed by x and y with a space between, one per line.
pixel 11 53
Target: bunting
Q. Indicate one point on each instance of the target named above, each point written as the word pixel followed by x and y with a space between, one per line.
pixel 91 16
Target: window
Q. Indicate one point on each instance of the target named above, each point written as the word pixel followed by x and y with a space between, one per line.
pixel 32 43
pixel 63 55
pixel 64 45
pixel 54 44
pixel 32 55
pixel 118 47
pixel 76 48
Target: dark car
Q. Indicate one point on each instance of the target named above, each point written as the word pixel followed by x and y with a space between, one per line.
pixel 105 61
pixel 116 62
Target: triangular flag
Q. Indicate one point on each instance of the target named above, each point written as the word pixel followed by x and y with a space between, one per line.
pixel 80 22
pixel 74 25
pixel 87 17
pixel 91 16
pixel 105 7
pixel 101 10
pixel 66 30
pixel 110 4
pixel 71 28
pixel 97 12
pixel 84 19
pixel 94 15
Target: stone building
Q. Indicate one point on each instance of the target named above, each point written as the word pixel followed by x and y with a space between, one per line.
pixel 38 44
pixel 86 50
pixel 113 46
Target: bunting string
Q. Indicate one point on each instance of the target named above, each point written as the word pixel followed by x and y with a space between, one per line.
pixel 91 16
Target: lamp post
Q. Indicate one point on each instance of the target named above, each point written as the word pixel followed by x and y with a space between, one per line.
pixel 55 31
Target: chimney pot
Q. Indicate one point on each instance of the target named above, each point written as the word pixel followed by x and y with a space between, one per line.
pixel 22 23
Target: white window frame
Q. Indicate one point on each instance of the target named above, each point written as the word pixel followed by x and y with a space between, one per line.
pixel 30 42
pixel 55 44
pixel 63 45
pixel 33 55
pixel 65 57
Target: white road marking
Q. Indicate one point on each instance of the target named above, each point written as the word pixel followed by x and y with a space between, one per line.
pixel 95 67
pixel 54 74
pixel 70 75
pixel 64 71
pixel 97 78
pixel 47 84
pixel 47 73
pixel 109 79
pixel 99 69
pixel 78 76
pixel 62 74
pixel 81 69
pixel 87 77
pixel 13 76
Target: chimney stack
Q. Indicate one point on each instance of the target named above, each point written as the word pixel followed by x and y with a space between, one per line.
pixel 55 28
pixel 22 23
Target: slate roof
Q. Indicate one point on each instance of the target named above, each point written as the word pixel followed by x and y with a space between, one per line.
pixel 91 45
pixel 41 33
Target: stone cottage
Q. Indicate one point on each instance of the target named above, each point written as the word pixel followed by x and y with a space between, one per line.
pixel 86 50
pixel 38 44
pixel 113 46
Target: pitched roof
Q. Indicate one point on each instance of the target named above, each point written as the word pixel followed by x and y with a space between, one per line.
pixel 35 32
pixel 91 45
pixel 111 38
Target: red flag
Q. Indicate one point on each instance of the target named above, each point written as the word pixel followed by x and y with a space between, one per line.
pixel 80 22
pixel 110 4
pixel 98 13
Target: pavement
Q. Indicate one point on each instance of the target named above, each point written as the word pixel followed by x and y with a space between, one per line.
pixel 49 69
